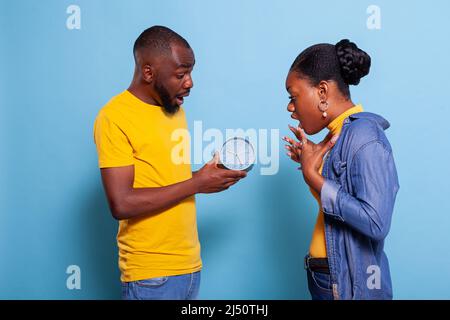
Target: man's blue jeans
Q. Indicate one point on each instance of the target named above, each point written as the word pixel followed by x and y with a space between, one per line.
pixel 182 287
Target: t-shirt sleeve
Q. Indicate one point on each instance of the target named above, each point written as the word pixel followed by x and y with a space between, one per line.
pixel 113 146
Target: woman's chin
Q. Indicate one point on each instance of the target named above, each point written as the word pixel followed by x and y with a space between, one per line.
pixel 308 131
pixel 311 132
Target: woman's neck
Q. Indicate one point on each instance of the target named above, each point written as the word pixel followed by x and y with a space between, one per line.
pixel 337 108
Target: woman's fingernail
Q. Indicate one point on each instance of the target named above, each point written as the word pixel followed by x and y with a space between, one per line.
pixel 286 147
pixel 288 154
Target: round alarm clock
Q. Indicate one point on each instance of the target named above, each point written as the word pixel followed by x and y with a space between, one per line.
pixel 237 154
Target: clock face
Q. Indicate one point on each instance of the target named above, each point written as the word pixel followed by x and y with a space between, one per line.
pixel 237 154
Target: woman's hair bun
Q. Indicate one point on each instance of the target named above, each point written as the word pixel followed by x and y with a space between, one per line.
pixel 354 62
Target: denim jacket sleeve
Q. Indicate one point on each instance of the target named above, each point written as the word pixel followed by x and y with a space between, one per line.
pixel 374 183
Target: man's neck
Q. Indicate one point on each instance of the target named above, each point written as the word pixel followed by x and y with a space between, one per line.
pixel 139 92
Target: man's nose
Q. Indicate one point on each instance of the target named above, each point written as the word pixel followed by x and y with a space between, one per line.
pixel 189 83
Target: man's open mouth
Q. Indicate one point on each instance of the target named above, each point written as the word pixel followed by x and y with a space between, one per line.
pixel 180 98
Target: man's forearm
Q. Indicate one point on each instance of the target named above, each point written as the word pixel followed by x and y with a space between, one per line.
pixel 139 201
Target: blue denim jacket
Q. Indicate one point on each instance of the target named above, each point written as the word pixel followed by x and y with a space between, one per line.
pixel 357 199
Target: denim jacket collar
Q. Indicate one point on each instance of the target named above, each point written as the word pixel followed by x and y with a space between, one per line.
pixel 382 122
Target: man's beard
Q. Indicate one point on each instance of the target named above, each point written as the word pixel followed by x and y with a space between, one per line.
pixel 164 95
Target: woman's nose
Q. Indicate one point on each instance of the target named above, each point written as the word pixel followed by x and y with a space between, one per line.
pixel 291 109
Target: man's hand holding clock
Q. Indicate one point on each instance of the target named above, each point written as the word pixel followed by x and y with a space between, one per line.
pixel 227 167
pixel 211 178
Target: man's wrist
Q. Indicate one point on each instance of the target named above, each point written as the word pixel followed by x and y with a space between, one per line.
pixel 193 183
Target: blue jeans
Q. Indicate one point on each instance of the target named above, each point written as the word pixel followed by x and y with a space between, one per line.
pixel 182 287
pixel 319 285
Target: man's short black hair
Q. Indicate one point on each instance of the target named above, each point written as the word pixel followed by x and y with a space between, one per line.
pixel 158 40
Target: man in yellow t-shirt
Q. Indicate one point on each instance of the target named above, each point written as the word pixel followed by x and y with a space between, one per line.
pixel 150 193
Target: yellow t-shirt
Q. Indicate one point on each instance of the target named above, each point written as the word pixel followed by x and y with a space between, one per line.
pixel 128 131
pixel 318 248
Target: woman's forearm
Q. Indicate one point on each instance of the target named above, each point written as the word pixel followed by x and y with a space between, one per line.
pixel 314 179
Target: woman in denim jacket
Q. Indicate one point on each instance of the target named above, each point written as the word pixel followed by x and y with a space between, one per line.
pixel 351 173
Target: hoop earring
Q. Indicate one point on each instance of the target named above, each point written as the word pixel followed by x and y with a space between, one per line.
pixel 323 107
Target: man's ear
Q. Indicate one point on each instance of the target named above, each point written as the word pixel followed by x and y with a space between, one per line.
pixel 148 73
pixel 323 90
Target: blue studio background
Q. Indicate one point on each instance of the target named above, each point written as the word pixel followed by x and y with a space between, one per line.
pixel 254 236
